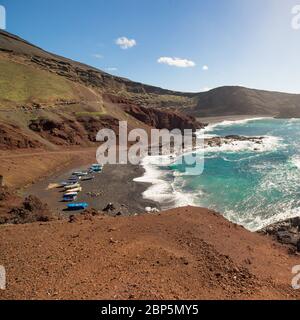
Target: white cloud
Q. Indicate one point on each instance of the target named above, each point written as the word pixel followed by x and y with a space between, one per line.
pixel 205 89
pixel 97 55
pixel 205 68
pixel 177 62
pixel 125 43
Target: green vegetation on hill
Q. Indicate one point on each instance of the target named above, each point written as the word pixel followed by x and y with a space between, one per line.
pixel 22 84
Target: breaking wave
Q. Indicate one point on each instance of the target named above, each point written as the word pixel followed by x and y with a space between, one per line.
pixel 252 184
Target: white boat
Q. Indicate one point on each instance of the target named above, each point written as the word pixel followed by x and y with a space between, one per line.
pixel 80 174
pixel 79 189
pixel 72 186
pixel 71 193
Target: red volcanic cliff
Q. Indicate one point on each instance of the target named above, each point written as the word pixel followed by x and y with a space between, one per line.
pixel 163 119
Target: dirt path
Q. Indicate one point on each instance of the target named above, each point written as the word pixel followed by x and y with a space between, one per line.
pixel 14 155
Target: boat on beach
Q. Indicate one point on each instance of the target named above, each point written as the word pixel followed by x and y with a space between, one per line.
pixel 73 193
pixel 79 189
pixel 96 168
pixel 72 186
pixel 80 174
pixel 70 197
pixel 77 206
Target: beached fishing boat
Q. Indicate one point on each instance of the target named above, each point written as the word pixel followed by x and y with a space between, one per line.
pixel 71 193
pixel 72 186
pixel 80 174
pixel 77 206
pixel 69 198
pixel 96 168
pixel 79 189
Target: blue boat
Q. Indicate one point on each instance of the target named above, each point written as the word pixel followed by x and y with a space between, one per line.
pixel 68 198
pixel 77 206
pixel 96 168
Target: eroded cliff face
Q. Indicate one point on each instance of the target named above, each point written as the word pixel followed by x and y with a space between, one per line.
pixel 80 132
pixel 83 130
pixel 163 119
pixel 159 118
pixel 13 137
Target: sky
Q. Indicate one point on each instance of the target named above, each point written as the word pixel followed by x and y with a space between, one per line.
pixel 184 45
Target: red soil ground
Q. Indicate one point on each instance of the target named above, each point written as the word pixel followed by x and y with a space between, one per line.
pixel 187 253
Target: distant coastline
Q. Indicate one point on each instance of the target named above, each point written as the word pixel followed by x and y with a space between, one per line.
pixel 215 120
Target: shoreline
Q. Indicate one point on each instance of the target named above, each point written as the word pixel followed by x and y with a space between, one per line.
pixel 220 119
pixel 125 186
pixel 163 191
pixel 114 185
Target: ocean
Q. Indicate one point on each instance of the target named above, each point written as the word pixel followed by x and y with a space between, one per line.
pixel 251 185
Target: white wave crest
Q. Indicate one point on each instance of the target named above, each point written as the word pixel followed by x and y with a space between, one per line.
pixel 228 123
pixel 255 222
pixel 162 189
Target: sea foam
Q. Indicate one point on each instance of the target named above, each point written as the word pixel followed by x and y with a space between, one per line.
pixel 167 186
pixel 164 188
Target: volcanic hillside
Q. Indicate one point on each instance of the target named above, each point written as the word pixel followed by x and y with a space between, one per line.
pixel 48 101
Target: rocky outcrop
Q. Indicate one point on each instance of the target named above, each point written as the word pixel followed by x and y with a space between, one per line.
pixel 219 141
pixel 14 210
pixel 13 137
pixel 84 129
pixel 286 232
pixel 92 125
pixel 163 119
pixel 32 210
pixel 81 131
pixel 59 133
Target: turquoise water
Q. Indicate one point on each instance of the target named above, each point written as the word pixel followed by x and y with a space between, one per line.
pixel 250 187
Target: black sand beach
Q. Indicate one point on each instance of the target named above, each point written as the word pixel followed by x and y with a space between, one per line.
pixel 114 185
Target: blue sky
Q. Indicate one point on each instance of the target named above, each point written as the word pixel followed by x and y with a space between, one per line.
pixel 242 42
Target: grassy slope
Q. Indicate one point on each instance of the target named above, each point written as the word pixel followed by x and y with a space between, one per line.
pixel 22 84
